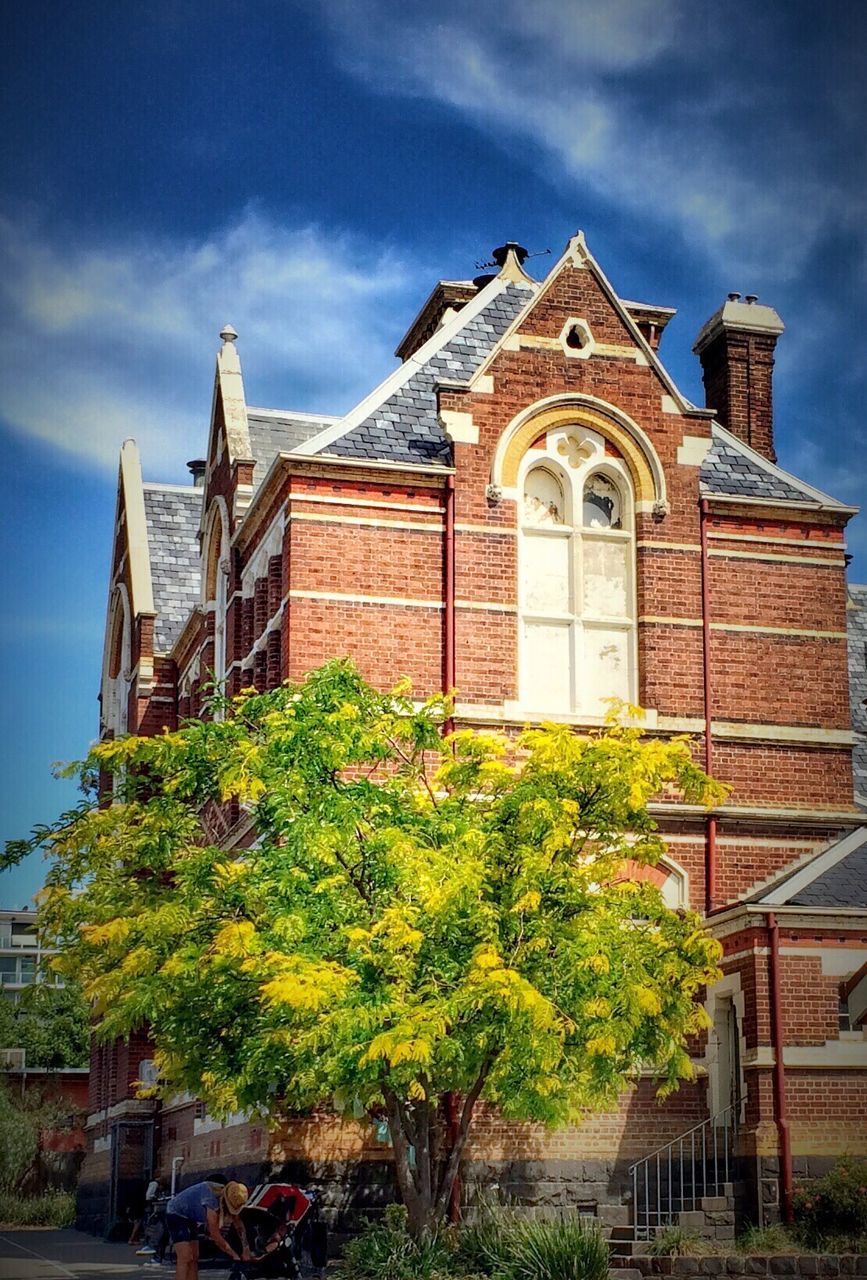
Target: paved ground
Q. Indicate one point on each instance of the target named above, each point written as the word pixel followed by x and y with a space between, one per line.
pixel 73 1255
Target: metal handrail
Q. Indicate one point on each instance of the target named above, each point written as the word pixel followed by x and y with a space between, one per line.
pixel 663 1186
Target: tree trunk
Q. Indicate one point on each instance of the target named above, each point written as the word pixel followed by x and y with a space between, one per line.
pixel 425 1188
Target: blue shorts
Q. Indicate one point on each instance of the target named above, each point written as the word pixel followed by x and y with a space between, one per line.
pixel 182 1230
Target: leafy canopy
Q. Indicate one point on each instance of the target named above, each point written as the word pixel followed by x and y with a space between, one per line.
pixel 52 1025
pixel 413 914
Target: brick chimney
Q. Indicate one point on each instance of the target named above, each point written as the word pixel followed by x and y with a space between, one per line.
pixel 736 349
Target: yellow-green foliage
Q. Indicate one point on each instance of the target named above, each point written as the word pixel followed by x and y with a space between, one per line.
pixel 416 916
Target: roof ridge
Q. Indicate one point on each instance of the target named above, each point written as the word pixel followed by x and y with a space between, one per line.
pixel 411 366
pixel 257 410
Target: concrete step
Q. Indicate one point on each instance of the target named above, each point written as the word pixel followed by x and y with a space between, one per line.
pixel 625 1248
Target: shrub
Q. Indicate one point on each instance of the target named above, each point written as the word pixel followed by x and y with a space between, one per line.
pixel 501 1244
pixel 508 1246
pixel 761 1240
pixel 835 1205
pixel 54 1209
pixel 675 1242
pixel 565 1248
pixel 386 1251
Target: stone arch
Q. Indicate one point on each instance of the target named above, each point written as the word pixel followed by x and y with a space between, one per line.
pixel 668 876
pixel 562 411
pixel 215 548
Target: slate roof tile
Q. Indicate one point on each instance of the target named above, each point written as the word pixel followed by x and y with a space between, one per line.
pixel 405 427
pixel 172 516
pixel 727 471
pixel 270 435
pixel 844 885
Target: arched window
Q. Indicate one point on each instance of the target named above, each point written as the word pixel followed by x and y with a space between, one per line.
pixel 115 680
pixel 215 579
pixel 577 577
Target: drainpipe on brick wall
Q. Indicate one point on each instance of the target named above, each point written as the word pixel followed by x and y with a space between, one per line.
pixel 449 594
pixel 777 1042
pixel 448 686
pixel 710 827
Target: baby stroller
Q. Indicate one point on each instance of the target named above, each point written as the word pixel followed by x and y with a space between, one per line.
pixel 282 1222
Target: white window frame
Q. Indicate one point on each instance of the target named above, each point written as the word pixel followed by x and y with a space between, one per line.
pixel 574 454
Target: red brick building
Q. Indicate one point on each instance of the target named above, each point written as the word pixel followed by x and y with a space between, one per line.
pixel 529 510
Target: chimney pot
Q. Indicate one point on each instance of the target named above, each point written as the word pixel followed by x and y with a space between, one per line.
pixel 734 297
pixel 197 468
pixel 751 298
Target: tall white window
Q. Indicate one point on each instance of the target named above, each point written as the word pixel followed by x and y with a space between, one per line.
pixel 115 683
pixel 577 577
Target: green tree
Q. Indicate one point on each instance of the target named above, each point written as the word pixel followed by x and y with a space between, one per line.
pixel 52 1024
pixel 417 921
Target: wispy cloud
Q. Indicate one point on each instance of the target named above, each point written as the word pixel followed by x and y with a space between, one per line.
pixel 702 124
pixel 107 341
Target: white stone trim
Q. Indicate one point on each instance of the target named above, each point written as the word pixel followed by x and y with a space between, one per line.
pixel 574 353
pixel 136 530
pixel 653 544
pixel 578 401
pixel 771 558
pixel 348 597
pixel 773 539
pixel 366 522
pixel 837 962
pixel 458 426
pixel 328 500
pixel 497 531
pixel 662 620
pixel 692 450
pixel 210 1124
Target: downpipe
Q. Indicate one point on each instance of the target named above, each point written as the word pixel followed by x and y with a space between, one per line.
pixel 777 1041
pixel 711 822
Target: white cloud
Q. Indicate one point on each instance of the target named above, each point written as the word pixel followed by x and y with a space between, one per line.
pixel 649 103
pixel 104 342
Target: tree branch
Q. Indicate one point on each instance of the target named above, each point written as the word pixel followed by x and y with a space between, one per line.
pixel 452 1165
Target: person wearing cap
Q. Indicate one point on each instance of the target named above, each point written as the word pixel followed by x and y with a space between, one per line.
pixel 205 1208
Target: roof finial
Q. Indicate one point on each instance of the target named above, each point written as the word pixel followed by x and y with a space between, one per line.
pixel 227 333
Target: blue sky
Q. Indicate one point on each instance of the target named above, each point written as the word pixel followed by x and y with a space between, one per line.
pixel 307 171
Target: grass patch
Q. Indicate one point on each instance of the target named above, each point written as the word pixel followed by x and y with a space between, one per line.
pixel 53 1209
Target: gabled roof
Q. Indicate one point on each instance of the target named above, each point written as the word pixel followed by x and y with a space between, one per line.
pixel 732 469
pixel 398 421
pixel 404 426
pixel 172 513
pixel 834 877
pixel 274 431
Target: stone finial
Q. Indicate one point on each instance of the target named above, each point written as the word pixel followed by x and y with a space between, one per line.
pixel 227 333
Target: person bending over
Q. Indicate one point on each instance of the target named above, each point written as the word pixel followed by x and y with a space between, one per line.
pixel 205 1207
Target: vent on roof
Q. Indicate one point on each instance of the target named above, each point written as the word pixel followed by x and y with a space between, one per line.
pixel 197 468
